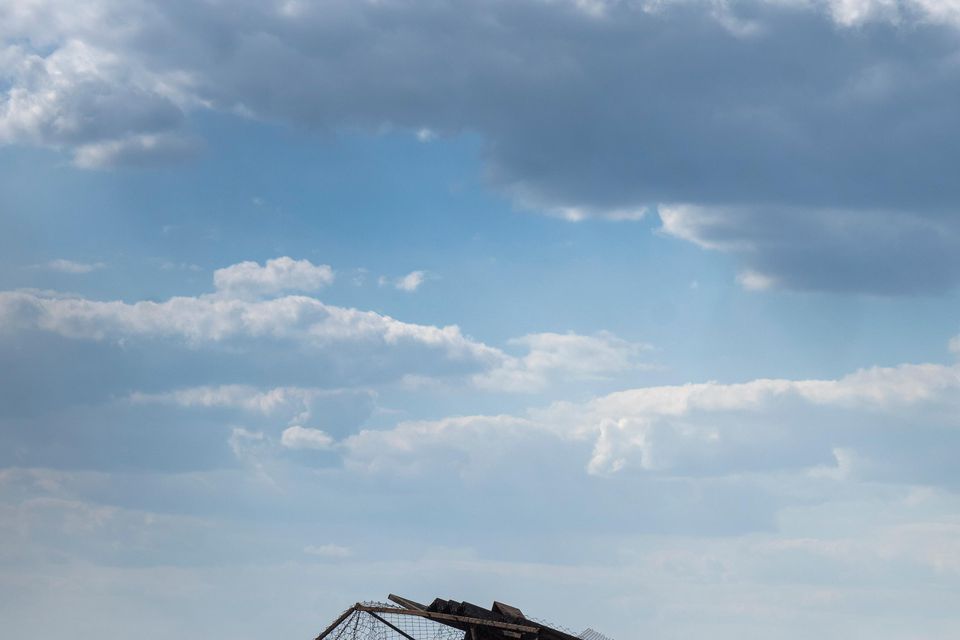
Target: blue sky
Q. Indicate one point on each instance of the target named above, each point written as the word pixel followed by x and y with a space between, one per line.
pixel 641 316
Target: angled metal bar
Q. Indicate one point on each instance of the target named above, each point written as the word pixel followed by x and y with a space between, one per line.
pixel 336 623
pixel 406 603
pixel 392 626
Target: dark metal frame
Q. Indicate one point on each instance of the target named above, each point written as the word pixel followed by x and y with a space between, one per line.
pixel 474 628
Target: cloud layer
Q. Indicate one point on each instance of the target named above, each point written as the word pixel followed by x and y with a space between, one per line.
pixel 191 450
pixel 882 423
pixel 834 120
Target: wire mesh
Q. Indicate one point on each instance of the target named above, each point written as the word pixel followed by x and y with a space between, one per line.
pixel 547 623
pixel 390 622
pixel 590 634
pixel 363 625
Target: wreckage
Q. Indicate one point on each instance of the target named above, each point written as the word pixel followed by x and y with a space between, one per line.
pixel 404 619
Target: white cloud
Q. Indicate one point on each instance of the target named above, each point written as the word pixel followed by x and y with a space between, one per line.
pixel 235 320
pixel 425 134
pixel 214 318
pixel 275 276
pixel 755 281
pixel 133 150
pixel 70 266
pixel 235 396
pixel 581 213
pixel 341 410
pixel 694 224
pixel 297 437
pixel 699 425
pixel 469 443
pixel 247 444
pixel 707 428
pixel 411 281
pixel 562 357
pixel 328 551
pixel 301 338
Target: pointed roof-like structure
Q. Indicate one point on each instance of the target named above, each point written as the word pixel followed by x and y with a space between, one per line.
pixel 405 619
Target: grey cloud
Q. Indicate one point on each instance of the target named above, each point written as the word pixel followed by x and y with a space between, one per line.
pixel 93 101
pixel 803 108
pixel 880 252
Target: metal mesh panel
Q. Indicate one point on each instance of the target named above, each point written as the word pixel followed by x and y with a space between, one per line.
pixel 362 625
pixel 590 634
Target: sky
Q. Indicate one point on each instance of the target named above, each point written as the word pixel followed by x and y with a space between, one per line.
pixel 639 315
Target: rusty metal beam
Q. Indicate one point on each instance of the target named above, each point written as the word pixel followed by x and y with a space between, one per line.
pixel 336 623
pixel 406 603
pixel 392 626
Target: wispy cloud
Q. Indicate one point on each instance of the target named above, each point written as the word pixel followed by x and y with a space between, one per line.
pixel 61 265
pixel 328 551
pixel 410 282
pixel 297 437
pixel 274 276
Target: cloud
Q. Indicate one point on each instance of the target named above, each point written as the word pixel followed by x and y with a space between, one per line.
pixel 820 134
pixel 295 400
pixel 69 266
pixel 721 427
pixel 878 566
pixel 289 356
pixel 247 445
pixel 212 319
pixel 879 252
pixel 297 437
pixel 328 551
pixel 226 350
pixel 425 135
pixel 93 100
pixel 553 357
pixel 136 150
pixel 214 340
pixel 338 411
pixel 753 281
pixel 411 281
pixel 462 444
pixel 884 422
pixel 275 276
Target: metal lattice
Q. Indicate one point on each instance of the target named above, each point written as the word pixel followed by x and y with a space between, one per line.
pixel 590 634
pixel 364 625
